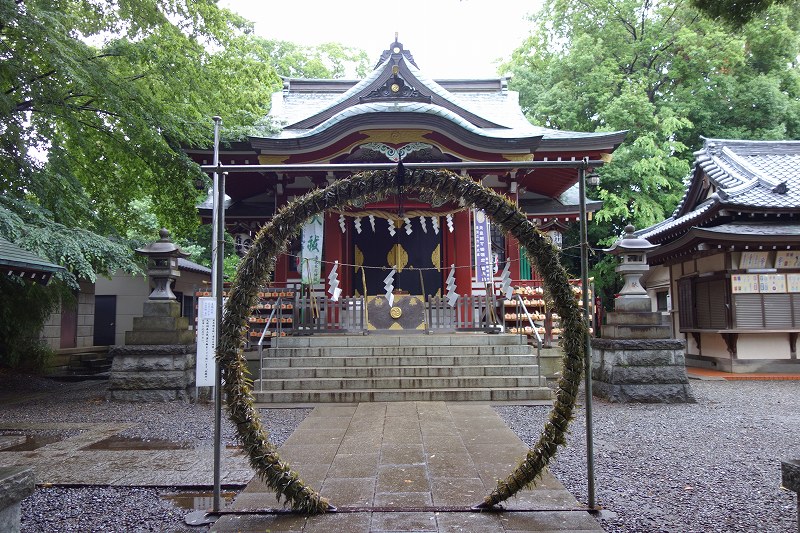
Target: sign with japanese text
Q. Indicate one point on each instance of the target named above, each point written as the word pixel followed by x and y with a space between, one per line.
pixel 787 259
pixel 206 335
pixel 753 260
pixel 484 266
pixel 311 251
pixel 745 284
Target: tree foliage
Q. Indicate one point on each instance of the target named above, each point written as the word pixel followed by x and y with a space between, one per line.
pixel 97 100
pixel 735 12
pixel 668 75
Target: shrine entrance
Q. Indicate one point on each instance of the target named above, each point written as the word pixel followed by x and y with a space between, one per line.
pixel 272 239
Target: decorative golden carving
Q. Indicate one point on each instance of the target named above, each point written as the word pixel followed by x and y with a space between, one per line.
pixel 518 157
pixel 359 257
pixel 396 312
pixel 395 136
pixel 265 159
pixel 436 257
pixel 397 257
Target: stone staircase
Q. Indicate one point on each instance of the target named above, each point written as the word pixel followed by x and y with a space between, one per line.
pixel 384 368
pixel 79 364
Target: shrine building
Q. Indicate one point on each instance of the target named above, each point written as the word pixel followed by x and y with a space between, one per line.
pixel 398 113
pixel 728 266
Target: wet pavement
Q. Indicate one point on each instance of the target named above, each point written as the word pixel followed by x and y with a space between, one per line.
pixel 95 454
pixel 407 466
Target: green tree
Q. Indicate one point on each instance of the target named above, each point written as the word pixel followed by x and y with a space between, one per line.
pixel 665 73
pixel 325 61
pixel 735 12
pixel 98 100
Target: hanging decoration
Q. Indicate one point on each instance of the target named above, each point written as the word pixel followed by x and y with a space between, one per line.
pixel 333 282
pixel 505 282
pixel 357 224
pixel 450 222
pixel 408 225
pixel 242 241
pixel 435 224
pixel 391 227
pixel 372 222
pixel 388 284
pixel 422 224
pixel 343 223
pixel 450 287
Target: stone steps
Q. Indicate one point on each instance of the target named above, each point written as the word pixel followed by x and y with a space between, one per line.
pixel 368 361
pixel 385 368
pixel 483 394
pixel 397 351
pixel 331 383
pixel 375 371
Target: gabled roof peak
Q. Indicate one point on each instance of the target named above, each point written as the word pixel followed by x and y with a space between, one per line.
pixel 395 52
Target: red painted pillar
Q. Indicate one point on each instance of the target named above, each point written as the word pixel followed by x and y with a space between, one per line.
pixel 463 251
pixel 512 254
pixel 281 270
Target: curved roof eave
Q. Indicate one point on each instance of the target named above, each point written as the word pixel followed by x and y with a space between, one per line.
pixel 410 114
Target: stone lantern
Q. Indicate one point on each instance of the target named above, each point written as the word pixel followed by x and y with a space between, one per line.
pixel 157 361
pixel 633 252
pixel 162 265
pixel 636 360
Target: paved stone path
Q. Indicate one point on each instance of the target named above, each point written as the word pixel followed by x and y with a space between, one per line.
pixel 397 464
pixel 73 461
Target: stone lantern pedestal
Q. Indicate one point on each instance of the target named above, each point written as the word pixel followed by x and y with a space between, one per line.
pixel 637 360
pixel 157 362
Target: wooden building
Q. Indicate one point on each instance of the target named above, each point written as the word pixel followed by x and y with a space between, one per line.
pixel 398 113
pixel 729 257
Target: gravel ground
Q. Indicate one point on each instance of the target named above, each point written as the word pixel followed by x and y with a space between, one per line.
pixel 710 466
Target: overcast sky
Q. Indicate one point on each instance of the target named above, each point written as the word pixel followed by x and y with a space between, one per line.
pixel 448 38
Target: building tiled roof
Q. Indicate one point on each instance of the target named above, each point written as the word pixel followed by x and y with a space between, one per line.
pixel 190 266
pixel 17 261
pixel 745 175
pixel 485 107
pixel 757 229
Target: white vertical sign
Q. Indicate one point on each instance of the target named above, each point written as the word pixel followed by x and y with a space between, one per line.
pixel 311 251
pixel 206 330
pixel 483 248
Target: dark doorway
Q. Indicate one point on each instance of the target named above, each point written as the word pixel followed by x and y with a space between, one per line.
pixel 69 323
pixel 415 253
pixel 105 318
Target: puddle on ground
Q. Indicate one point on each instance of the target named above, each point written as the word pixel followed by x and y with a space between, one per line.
pixel 118 443
pixel 201 501
pixel 27 443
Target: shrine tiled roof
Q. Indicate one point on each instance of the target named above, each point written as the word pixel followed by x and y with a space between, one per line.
pixel 744 176
pixel 757 229
pixel 485 107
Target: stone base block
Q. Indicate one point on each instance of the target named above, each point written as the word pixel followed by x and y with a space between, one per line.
pixel 16 484
pixel 642 371
pixel 156 338
pixel 152 373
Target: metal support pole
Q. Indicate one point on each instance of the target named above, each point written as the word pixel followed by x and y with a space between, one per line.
pixel 218 264
pixel 587 360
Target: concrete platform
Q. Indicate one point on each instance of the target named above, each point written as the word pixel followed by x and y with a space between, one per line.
pixel 407 466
